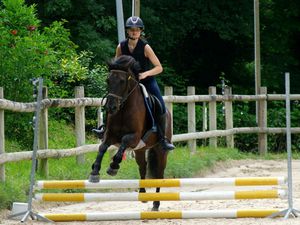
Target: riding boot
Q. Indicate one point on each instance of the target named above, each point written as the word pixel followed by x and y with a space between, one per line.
pixel 161 125
pixel 100 131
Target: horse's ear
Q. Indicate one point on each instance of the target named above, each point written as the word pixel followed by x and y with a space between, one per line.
pixel 109 64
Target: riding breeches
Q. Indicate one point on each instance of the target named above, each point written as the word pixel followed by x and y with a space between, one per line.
pixel 153 88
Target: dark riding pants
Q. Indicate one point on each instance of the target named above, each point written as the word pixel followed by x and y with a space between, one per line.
pixel 153 88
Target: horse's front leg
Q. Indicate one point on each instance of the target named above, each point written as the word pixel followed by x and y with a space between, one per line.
pixel 129 140
pixel 117 159
pixel 94 175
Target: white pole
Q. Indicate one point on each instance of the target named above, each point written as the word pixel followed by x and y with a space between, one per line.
pixel 185 214
pixel 165 196
pixel 120 21
pixel 147 183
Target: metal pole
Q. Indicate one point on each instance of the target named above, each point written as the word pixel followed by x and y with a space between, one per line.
pixel 289 148
pixel 290 210
pixel 135 7
pixel 257 52
pixel 120 21
pixel 132 7
pixel 288 137
pixel 34 152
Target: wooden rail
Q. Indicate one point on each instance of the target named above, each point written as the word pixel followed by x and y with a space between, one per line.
pixel 80 102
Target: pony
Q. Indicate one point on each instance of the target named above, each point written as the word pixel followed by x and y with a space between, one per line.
pixel 128 125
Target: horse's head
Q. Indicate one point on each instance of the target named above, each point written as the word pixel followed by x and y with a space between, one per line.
pixel 122 80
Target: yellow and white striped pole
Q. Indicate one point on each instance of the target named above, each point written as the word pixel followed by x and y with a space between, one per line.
pixel 185 182
pixel 136 215
pixel 171 196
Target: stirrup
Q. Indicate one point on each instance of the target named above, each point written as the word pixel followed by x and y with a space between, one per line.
pixel 99 131
pixel 154 129
pixel 166 146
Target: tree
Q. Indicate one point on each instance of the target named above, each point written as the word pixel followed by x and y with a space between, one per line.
pixel 28 51
pixel 92 23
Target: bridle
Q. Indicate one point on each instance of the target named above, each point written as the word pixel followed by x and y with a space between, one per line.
pixel 122 99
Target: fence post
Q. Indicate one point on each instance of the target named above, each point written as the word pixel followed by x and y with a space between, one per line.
pixel 262 123
pixel 2 138
pixel 191 120
pixel 43 136
pixel 204 121
pixel 228 117
pixel 100 120
pixel 99 116
pixel 79 123
pixel 212 115
pixel 169 105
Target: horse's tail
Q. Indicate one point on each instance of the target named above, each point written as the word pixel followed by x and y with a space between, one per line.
pixel 152 164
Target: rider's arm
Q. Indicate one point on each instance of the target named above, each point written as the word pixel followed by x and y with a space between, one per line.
pixel 157 68
pixel 118 51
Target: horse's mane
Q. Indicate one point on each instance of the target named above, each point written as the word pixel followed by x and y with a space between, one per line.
pixel 125 63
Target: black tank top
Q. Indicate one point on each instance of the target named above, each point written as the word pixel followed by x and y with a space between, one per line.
pixel 138 53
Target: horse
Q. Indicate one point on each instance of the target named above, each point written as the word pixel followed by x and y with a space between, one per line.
pixel 128 125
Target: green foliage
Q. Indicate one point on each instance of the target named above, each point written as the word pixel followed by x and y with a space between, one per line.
pixel 58 141
pixel 28 51
pixel 277 118
pixel 92 24
pixel 244 116
pixel 95 84
pixel 216 37
pixel 170 78
pixel 10 193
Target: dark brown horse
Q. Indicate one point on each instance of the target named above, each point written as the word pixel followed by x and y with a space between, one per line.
pixel 128 125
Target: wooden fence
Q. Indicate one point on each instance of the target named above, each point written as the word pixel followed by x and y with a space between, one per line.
pixel 80 102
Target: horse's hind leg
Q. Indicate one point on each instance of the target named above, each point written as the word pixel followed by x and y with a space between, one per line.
pixel 142 163
pixel 159 158
pixel 156 204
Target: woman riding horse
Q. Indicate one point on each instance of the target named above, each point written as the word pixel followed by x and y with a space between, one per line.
pixel 128 124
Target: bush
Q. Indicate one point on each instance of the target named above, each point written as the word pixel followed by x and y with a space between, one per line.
pixel 29 51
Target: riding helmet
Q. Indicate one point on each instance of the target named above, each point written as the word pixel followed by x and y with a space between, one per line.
pixel 134 21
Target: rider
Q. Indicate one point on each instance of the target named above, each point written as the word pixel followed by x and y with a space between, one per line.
pixel 144 54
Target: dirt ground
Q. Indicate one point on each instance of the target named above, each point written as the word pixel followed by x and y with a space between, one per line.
pixel 244 168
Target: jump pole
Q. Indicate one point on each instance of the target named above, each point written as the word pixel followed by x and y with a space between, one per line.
pixel 168 196
pixel 148 183
pixel 136 215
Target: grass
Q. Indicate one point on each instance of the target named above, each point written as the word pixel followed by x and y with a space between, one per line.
pixel 181 163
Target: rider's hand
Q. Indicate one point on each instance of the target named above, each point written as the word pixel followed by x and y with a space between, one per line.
pixel 143 75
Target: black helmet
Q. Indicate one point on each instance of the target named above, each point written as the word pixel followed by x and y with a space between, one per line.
pixel 134 21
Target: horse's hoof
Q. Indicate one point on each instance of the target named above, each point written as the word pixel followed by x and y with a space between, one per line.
pixel 112 172
pixel 94 178
pixel 154 209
